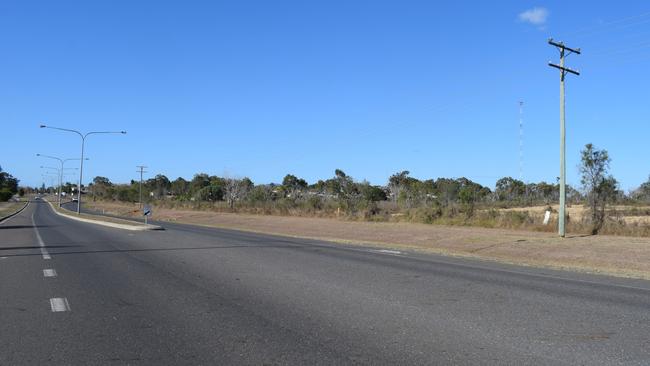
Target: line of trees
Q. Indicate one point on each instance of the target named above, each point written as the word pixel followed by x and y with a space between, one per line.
pixel 403 190
pixel 402 194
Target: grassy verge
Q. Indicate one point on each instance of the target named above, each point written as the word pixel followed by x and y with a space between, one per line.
pixel 603 254
pixel 621 220
pixel 8 208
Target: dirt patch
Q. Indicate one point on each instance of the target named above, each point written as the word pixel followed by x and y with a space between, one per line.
pixel 614 255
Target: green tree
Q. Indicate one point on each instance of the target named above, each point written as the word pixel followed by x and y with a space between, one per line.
pixel 8 185
pixel 293 186
pixel 510 189
pixel 643 192
pixel 180 187
pixel 447 190
pixel 158 185
pixel 397 183
pixel 372 193
pixel 199 181
pixel 101 187
pixel 600 187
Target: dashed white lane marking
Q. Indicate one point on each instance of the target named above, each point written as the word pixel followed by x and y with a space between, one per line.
pixel 387 251
pixel 44 252
pixel 49 273
pixel 59 304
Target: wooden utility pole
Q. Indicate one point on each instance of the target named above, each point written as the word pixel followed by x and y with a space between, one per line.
pixel 564 51
pixel 141 171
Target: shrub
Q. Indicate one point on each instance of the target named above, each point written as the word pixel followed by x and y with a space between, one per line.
pixel 5 194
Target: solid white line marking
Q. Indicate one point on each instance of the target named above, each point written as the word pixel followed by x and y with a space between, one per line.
pixel 387 251
pixel 49 272
pixel 44 252
pixel 59 304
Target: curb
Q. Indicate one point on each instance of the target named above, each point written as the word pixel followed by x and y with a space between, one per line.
pixel 105 223
pixel 3 219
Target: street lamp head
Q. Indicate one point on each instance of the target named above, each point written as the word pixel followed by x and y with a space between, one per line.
pixel 123 132
pixel 38 154
pixel 42 126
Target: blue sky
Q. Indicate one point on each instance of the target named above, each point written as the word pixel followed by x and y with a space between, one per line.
pixel 262 89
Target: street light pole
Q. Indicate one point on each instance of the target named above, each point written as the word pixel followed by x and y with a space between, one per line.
pixel 60 172
pixel 62 162
pixel 81 166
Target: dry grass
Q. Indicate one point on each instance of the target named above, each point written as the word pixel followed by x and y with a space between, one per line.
pixel 8 208
pixel 614 255
pixel 629 214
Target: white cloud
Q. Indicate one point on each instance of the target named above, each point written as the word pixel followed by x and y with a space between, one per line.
pixel 536 16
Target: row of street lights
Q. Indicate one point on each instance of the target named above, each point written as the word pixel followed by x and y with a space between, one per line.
pixel 81 165
pixel 59 170
pixel 59 177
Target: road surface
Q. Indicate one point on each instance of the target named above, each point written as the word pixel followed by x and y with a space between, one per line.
pixel 74 293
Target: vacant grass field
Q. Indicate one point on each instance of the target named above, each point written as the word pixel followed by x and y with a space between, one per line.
pixel 614 255
pixel 629 214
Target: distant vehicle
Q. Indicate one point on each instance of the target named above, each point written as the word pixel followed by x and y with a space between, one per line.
pixel 75 199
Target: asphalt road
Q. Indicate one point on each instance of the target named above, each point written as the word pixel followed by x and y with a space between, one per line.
pixel 200 296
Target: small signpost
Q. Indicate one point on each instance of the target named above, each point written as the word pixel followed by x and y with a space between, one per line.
pixel 146 212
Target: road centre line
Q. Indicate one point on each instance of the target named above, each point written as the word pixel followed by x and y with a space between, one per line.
pixel 44 252
pixel 59 304
pixel 49 273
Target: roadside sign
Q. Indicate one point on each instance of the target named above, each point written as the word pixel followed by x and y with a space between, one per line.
pixel 146 211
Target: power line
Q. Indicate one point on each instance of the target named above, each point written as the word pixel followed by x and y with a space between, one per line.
pixel 616 23
pixel 624 50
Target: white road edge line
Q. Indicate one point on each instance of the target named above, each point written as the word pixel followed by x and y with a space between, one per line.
pixel 386 251
pixel 59 304
pixel 49 273
pixel 44 252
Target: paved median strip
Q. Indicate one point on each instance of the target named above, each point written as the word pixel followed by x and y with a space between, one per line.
pixel 104 220
pixel 49 273
pixel 59 304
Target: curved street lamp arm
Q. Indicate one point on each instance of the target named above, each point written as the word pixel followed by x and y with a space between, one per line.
pixel 63 129
pixel 51 157
pixel 98 132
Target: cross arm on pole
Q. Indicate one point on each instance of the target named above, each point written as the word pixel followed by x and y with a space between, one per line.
pixel 564 69
pixel 562 46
